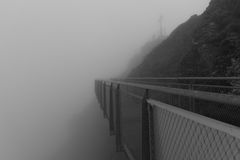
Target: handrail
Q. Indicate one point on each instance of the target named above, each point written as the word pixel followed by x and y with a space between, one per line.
pixel 180 78
pixel 185 117
pixel 209 96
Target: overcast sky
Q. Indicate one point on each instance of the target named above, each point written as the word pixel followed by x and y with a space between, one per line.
pixel 52 50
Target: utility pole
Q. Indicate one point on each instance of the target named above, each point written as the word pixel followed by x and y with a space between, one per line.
pixel 162 28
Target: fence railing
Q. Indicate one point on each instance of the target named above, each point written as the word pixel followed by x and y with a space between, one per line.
pixel 229 85
pixel 165 122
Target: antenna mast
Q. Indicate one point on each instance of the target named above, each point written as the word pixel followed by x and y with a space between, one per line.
pixel 161 26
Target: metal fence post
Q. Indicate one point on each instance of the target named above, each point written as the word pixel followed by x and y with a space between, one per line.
pixel 111 118
pixel 145 128
pixel 119 146
pixel 151 132
pixel 101 102
pixel 104 100
pixel 191 99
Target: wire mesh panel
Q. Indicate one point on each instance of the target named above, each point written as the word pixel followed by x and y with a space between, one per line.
pixel 131 123
pixel 183 135
pixel 175 125
pixel 229 85
pixel 222 111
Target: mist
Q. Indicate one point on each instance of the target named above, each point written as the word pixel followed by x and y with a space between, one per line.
pixel 50 53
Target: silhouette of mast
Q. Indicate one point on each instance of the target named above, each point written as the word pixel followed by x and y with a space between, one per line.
pixel 162 31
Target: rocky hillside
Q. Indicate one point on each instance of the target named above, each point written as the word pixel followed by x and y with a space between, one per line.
pixel 205 45
pixel 137 59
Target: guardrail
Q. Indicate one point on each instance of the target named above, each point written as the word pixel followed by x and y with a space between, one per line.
pixel 166 122
pixel 229 85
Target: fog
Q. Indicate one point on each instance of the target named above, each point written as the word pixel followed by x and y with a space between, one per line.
pixel 50 53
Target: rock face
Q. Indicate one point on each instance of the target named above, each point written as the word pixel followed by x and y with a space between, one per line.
pixel 205 45
pixel 136 60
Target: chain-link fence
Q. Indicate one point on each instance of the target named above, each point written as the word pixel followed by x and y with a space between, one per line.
pixel 183 135
pixel 131 122
pixel 164 122
pixel 228 85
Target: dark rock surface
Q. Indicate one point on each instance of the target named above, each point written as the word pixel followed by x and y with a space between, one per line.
pixel 205 45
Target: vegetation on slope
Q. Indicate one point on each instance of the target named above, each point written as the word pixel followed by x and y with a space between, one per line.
pixel 205 45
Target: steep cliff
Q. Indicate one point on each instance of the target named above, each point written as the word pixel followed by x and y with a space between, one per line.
pixel 205 45
pixel 137 59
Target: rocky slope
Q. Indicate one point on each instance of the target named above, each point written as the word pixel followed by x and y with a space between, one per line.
pixel 205 45
pixel 137 59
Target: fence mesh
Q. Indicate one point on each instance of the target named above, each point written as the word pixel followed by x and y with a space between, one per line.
pixel 224 112
pixel 131 123
pixel 178 127
pixel 177 137
pixel 219 85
